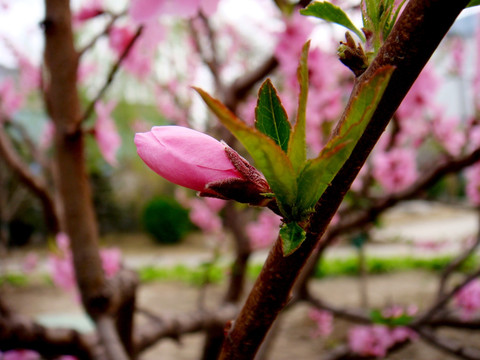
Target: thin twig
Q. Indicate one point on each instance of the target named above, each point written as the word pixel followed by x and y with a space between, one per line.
pixel 93 41
pixel 111 76
pixel 455 264
pixel 449 345
pixel 444 299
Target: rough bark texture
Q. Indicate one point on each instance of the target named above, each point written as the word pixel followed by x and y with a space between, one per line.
pixel 413 40
pixel 61 62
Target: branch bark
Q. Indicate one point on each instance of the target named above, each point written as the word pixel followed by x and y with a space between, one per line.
pixel 61 96
pixel 36 184
pixel 413 40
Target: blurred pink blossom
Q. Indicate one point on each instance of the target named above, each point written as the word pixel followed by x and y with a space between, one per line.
pixel 395 170
pixel 324 321
pixel 264 231
pixel 47 135
pixel 143 11
pixel 85 70
pixel 106 134
pixel 88 11
pixel 375 340
pixel 204 216
pixel 420 96
pixel 402 333
pixel 20 355
pixel 61 263
pixel 447 131
pixel 290 42
pixel 138 62
pixel 111 261
pixel 473 184
pixel 185 157
pixel 372 340
pixel 468 299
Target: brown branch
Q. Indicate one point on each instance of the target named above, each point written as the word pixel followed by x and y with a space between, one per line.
pixel 449 346
pixel 241 87
pixel 109 338
pixel 357 316
pixel 62 102
pixel 412 41
pixel 173 327
pixel 111 76
pixel 441 302
pixel 459 260
pixel 18 332
pixel 93 41
pixel 212 60
pixel 357 219
pixel 36 184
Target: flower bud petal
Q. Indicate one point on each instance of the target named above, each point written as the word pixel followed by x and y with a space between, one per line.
pixel 184 156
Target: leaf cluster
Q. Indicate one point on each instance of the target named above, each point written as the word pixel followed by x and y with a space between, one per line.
pixel 280 151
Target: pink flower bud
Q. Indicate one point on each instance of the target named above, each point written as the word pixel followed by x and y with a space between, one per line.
pixel 185 157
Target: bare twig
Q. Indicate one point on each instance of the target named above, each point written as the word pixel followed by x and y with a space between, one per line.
pixel 18 332
pixel 35 183
pixel 109 338
pixel 93 41
pixel 173 327
pixel 441 302
pixel 450 346
pixel 111 76
pixel 354 220
pixel 455 264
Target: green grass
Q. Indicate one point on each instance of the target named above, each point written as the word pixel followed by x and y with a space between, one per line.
pixel 214 273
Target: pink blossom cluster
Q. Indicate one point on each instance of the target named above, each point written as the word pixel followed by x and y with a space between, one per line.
pixel 413 112
pixel 143 11
pixel 473 184
pixel 204 213
pixel 28 355
pixel 88 11
pixel 61 263
pixel 106 133
pixel 324 74
pixel 20 355
pixel 396 311
pixel 396 169
pixel 375 340
pixel 264 231
pixel 448 132
pixel 323 320
pixel 468 299
pixel 139 61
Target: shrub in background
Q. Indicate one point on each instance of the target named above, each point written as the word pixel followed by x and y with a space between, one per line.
pixel 165 220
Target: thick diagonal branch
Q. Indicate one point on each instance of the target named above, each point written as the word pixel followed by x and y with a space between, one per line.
pixel 413 40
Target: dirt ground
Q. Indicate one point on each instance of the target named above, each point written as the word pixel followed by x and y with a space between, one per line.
pixel 294 339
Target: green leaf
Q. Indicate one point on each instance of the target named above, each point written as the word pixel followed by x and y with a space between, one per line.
pixel 297 147
pixel 319 172
pixel 473 3
pixel 292 237
pixel 271 117
pixel 270 159
pixel 329 12
pixel 377 317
